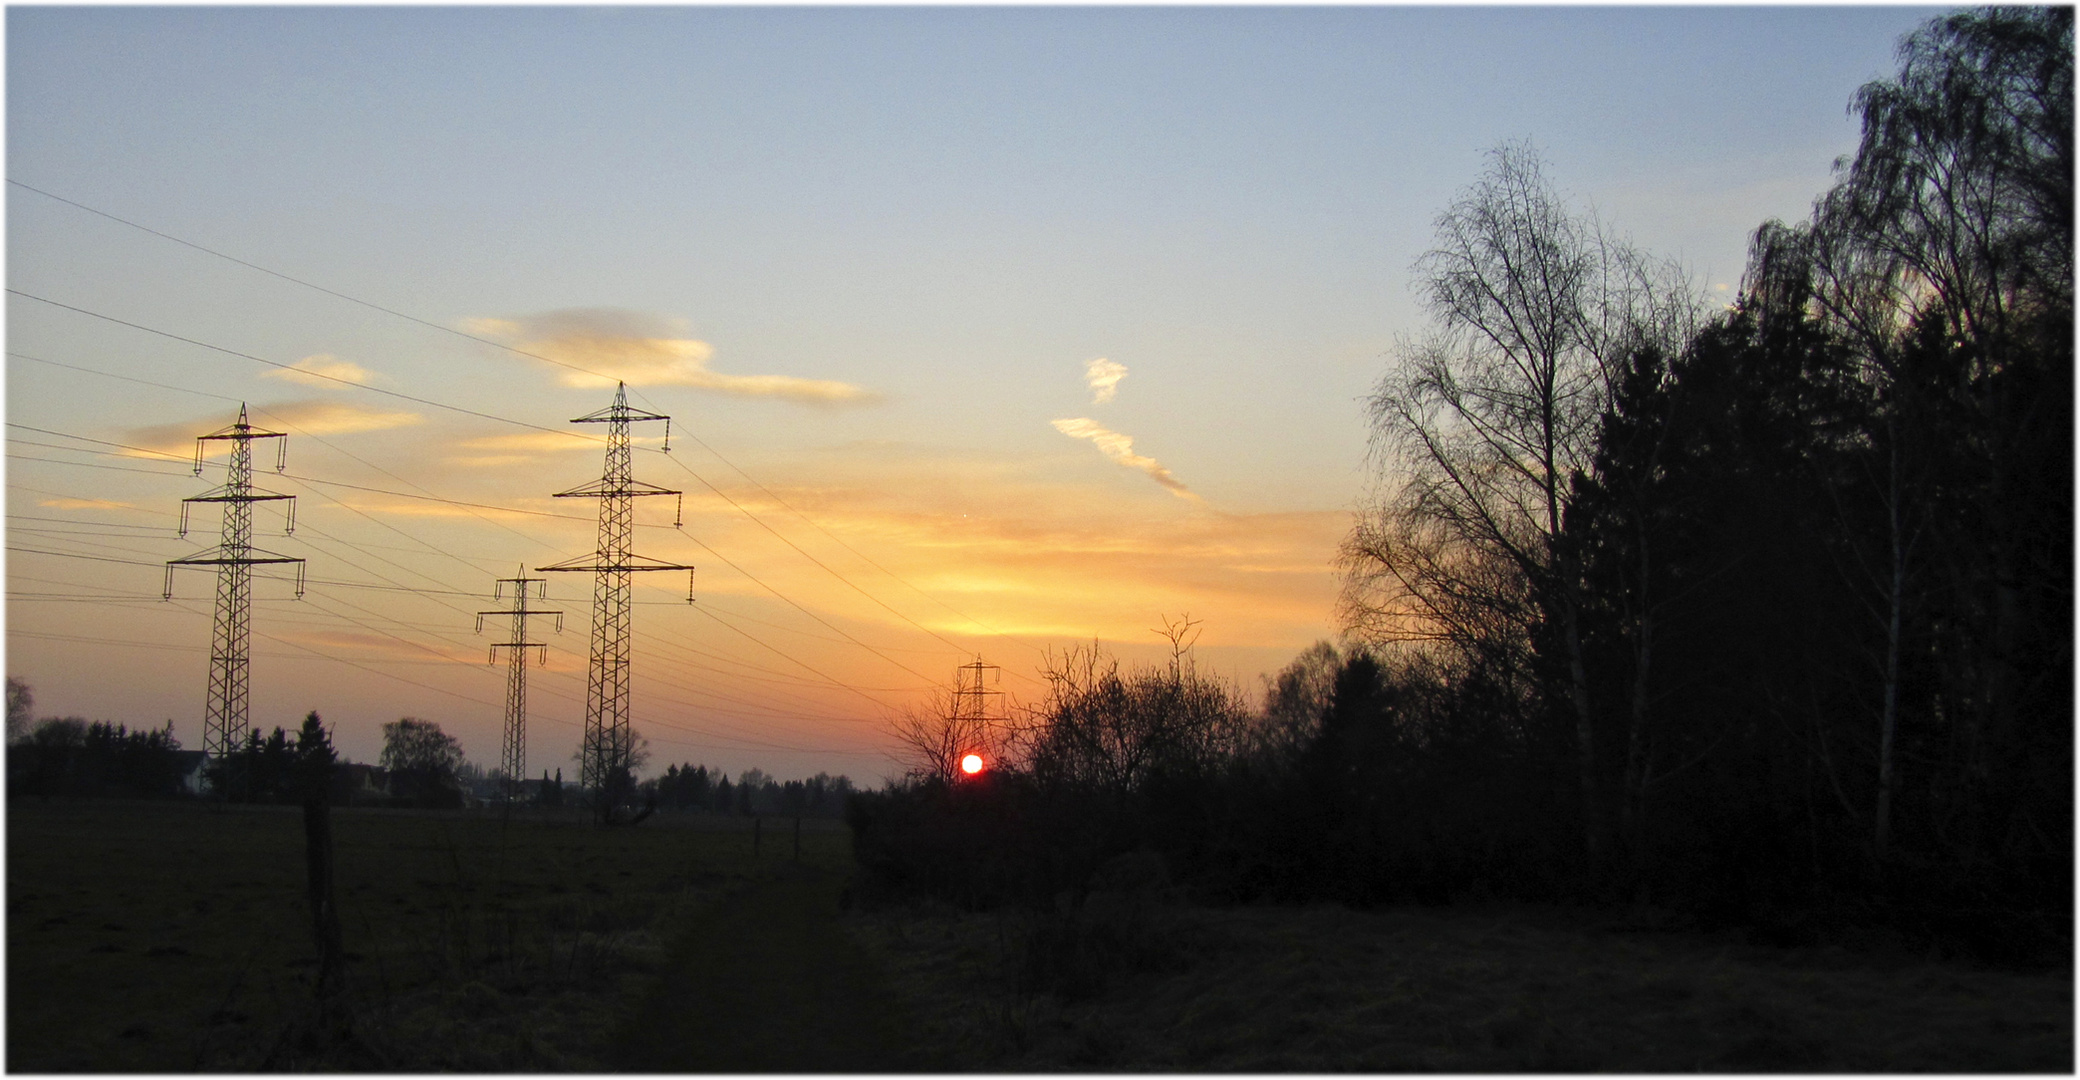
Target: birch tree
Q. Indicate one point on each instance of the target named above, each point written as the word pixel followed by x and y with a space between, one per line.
pixel 1484 422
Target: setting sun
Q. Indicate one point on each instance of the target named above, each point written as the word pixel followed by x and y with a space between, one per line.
pixel 971 764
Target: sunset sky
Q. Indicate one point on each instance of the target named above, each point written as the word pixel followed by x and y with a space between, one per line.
pixel 982 331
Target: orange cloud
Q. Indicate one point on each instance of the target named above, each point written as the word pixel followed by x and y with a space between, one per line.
pixel 294 418
pixel 1103 377
pixel 601 346
pixel 322 370
pixel 1120 448
pixel 1020 553
pixel 85 504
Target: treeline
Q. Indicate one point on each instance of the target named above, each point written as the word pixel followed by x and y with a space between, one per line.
pixel 697 787
pixel 69 756
pixel 421 767
pixel 1760 615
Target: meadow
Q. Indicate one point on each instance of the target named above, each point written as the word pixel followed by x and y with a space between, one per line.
pixel 170 937
pixel 1483 988
pixel 163 936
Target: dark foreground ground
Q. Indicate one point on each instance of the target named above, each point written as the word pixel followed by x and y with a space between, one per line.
pixel 150 937
pixel 1482 989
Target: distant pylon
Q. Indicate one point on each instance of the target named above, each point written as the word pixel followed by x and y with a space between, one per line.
pixel 608 737
pixel 970 695
pixel 224 717
pixel 513 757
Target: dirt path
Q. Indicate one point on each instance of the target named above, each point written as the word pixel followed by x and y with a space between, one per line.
pixel 769 982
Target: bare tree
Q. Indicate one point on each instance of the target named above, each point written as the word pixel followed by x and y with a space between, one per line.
pixel 1953 223
pixel 937 734
pixel 423 760
pixel 1482 426
pixel 21 703
pixel 1295 698
pixel 1106 729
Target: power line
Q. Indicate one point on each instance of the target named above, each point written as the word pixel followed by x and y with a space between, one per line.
pixel 572 367
pixel 457 592
pixel 310 285
pixel 472 412
pixel 806 611
pixel 224 715
pixel 769 493
pixel 536 427
pixel 278 364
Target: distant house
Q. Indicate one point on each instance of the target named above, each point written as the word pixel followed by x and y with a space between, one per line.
pixel 360 785
pixel 190 763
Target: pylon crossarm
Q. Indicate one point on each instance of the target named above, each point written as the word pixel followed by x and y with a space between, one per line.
pixel 614 487
pixel 242 430
pixel 618 413
pixel 227 495
pixel 247 561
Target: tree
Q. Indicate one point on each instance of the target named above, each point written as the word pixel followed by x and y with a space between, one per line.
pixel 314 758
pixel 1295 697
pixel 1482 425
pixel 21 703
pixel 423 761
pixel 627 746
pixel 1106 731
pixel 938 733
pixel 1943 254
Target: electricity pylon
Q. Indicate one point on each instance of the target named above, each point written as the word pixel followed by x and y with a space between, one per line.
pixel 970 698
pixel 513 756
pixel 608 737
pixel 976 727
pixel 224 717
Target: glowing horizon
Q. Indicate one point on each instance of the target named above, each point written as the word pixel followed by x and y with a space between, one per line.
pixel 1029 350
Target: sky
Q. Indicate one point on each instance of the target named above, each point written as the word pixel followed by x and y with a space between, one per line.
pixel 984 332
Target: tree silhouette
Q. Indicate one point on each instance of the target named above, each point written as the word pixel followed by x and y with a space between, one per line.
pixel 422 760
pixel 1482 425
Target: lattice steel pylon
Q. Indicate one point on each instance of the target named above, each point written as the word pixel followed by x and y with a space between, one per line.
pixel 224 717
pixel 609 738
pixel 970 697
pixel 977 728
pixel 513 755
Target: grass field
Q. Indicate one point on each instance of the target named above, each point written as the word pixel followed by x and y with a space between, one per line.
pixel 153 937
pixel 1483 989
pixel 169 937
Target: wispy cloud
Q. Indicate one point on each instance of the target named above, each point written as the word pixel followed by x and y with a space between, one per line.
pixel 324 371
pixel 1027 551
pixel 499 451
pixel 296 417
pixel 604 345
pixel 1120 448
pixel 85 504
pixel 1103 377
